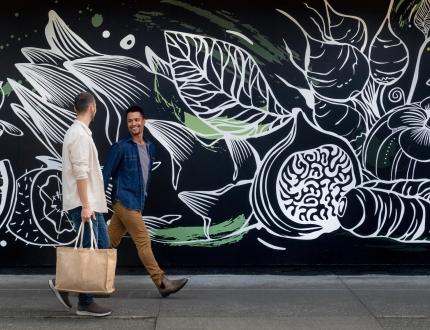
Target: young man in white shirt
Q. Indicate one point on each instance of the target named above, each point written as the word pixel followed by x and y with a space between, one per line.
pixel 83 192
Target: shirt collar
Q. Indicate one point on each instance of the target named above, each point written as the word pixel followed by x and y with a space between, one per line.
pixel 84 126
pixel 130 139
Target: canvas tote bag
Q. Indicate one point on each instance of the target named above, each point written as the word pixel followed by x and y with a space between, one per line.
pixel 85 270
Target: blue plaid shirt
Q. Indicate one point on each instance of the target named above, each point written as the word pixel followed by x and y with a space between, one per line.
pixel 123 165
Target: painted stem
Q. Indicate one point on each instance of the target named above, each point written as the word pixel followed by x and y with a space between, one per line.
pixel 416 71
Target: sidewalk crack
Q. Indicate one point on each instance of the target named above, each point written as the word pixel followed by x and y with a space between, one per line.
pixel 361 301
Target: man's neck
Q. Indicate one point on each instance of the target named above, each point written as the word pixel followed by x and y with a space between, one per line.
pixel 138 139
pixel 84 119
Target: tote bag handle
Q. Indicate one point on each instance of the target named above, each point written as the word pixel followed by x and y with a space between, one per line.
pixel 80 236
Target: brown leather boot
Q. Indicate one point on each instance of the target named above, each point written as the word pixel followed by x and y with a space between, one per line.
pixel 168 287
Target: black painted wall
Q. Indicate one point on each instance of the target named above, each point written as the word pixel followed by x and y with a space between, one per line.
pixel 288 133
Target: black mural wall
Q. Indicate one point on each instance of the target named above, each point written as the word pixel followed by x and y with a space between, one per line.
pixel 287 132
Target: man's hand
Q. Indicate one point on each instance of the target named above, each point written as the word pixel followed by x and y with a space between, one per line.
pixel 87 214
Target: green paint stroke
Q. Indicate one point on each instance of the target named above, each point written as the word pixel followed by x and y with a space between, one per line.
pixel 405 17
pixel 160 99
pixel 200 127
pixel 194 236
pixel 202 12
pixel 146 16
pixel 227 15
pixel 261 50
pixel 226 125
pixel 7 89
pixel 277 53
pixel 187 26
pixel 237 127
pixel 97 20
pixel 204 128
pixel 192 122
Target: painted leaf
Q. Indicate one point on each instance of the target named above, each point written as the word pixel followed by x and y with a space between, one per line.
pixel 157 65
pixel 219 80
pixel 52 83
pixel 115 77
pixel 422 17
pixel 10 129
pixel 178 141
pixel 63 41
pixel 115 80
pixel 190 153
pixel 209 205
pixel 42 56
pixel 161 222
pixel 48 122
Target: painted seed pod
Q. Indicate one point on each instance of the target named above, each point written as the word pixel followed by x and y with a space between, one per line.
pixel 346 28
pixel 388 54
pixel 372 212
pixel 296 191
pixel 398 146
pixel 343 120
pixel 335 71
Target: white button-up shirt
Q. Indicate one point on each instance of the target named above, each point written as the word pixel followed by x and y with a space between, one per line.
pixel 81 161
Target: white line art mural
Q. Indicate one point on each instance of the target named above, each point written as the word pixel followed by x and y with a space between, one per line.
pixel 351 155
pixel 5 127
pixel 296 191
pixel 48 225
pixel 383 208
pixel 182 144
pixel 7 191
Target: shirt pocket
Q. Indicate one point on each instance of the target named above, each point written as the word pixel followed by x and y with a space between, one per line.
pixel 131 162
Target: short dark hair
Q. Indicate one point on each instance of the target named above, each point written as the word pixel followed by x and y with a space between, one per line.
pixel 135 108
pixel 83 101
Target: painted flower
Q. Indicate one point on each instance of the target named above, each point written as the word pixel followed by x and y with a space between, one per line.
pixel 414 122
pixel 398 145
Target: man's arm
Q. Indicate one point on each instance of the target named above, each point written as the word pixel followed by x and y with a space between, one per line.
pixel 87 213
pixel 111 164
pixel 79 152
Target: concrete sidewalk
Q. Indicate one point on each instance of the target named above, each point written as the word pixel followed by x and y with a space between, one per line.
pixel 231 302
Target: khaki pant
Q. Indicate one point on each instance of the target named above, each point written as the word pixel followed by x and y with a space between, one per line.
pixel 127 220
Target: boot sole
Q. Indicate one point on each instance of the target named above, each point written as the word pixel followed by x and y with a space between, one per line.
pixel 57 294
pixel 164 295
pixel 86 313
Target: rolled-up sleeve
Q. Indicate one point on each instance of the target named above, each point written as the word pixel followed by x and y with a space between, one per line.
pixel 79 153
